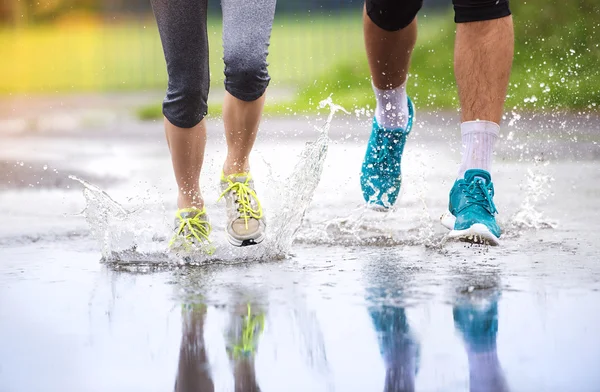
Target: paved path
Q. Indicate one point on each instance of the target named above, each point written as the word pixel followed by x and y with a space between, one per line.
pixel 363 300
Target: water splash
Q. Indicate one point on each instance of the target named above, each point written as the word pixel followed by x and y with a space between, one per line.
pixel 537 189
pixel 138 237
pixel 409 223
pixel 121 233
pixel 297 191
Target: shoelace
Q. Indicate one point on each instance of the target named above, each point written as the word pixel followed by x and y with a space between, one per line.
pixel 385 145
pixel 196 228
pixel 243 199
pixel 251 325
pixel 480 193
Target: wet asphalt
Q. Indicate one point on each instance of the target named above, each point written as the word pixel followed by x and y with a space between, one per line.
pixel 362 301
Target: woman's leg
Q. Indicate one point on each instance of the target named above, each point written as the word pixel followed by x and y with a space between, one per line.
pixel 241 120
pixel 182 27
pixel 246 32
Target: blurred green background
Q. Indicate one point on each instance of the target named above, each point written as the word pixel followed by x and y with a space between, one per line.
pixel 71 46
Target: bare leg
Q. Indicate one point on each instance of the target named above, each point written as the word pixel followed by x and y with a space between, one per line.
pixel 244 375
pixel 388 52
pixel 187 154
pixel 241 119
pixel 193 373
pixel 483 55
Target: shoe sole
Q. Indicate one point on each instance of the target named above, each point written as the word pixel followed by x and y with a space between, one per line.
pixel 378 207
pixel 476 234
pixel 247 242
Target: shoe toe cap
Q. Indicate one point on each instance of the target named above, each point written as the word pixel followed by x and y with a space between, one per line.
pixel 244 229
pixel 464 222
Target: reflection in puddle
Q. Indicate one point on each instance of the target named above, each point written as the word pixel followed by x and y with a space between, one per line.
pixel 253 311
pixel 193 372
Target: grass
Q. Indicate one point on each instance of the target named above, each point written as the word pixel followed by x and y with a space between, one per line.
pixel 555 67
pixel 99 57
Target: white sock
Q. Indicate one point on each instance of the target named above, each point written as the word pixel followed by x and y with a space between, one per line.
pixel 478 139
pixel 392 107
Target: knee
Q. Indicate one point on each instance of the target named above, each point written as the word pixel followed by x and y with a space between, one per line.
pixel 246 76
pixel 479 10
pixel 185 105
pixel 392 15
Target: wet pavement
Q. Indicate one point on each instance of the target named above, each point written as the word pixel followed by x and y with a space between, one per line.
pixel 361 301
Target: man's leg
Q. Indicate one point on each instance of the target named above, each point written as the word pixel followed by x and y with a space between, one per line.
pixel 483 55
pixel 390 31
pixel 483 58
pixel 388 53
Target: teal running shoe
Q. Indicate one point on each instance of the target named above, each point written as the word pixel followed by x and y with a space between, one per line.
pixel 381 177
pixel 472 210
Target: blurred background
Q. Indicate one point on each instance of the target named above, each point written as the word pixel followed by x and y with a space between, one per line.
pixel 107 52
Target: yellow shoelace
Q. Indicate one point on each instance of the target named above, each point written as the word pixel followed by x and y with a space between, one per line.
pixel 243 197
pixel 197 228
pixel 252 324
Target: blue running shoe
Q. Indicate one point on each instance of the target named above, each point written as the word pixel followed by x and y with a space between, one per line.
pixel 472 210
pixel 381 177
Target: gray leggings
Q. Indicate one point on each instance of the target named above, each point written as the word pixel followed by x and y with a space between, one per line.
pixel 246 33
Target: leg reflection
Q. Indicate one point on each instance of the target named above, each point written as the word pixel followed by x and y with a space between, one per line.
pixel 247 324
pixel 398 348
pixel 193 372
pixel 479 327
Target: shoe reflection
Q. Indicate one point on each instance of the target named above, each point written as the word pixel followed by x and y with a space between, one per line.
pixel 475 319
pixel 193 373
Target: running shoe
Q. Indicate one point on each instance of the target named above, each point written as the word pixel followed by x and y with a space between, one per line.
pixel 245 220
pixel 381 176
pixel 192 231
pixel 471 215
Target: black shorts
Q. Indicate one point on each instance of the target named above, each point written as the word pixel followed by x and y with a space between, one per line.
pixel 393 15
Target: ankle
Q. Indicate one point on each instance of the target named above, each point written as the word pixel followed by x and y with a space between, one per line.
pixel 190 200
pixel 233 166
pixel 391 110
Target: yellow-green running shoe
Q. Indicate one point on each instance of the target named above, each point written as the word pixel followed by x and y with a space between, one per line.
pixel 192 231
pixel 246 223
